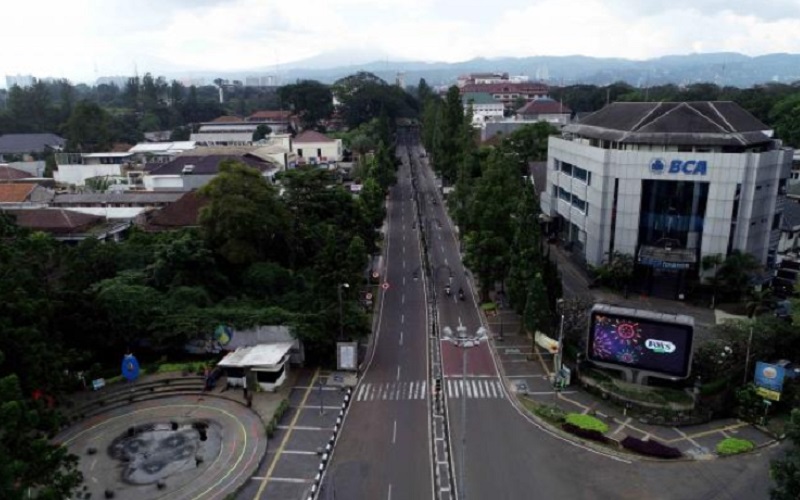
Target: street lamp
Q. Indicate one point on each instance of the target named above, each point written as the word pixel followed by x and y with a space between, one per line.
pixel 559 357
pixel 341 315
pixel 464 341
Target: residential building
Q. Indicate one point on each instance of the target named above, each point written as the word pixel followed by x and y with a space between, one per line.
pixel 509 93
pixel 794 178
pixel 10 174
pixel 545 110
pixel 790 230
pixel 316 148
pixel 184 212
pixel 66 225
pixel 489 78
pixel 667 183
pixel 196 168
pixel 228 133
pixel 24 196
pixel 25 146
pixel 115 205
pixel 278 121
pixel 483 106
pixel 75 168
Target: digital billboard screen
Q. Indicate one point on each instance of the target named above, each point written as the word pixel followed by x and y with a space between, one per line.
pixel 641 343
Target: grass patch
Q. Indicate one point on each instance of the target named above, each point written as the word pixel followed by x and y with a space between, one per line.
pixel 488 306
pixel 550 413
pixel 192 367
pixel 734 446
pixel 586 422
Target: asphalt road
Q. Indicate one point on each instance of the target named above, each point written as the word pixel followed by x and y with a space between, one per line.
pixel 509 456
pixel 384 448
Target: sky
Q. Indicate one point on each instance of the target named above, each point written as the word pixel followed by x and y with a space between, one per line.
pixel 83 39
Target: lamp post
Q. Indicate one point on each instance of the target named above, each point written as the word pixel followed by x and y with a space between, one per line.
pixel 463 341
pixel 341 314
pixel 559 357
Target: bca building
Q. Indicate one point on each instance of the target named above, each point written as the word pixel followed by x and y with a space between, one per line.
pixel 667 183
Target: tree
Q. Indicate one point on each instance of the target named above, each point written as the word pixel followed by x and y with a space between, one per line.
pixel 364 96
pixel 712 262
pixel 448 153
pixel 261 132
pixel 529 143
pixel 310 100
pixel 737 272
pixel 784 115
pixel 526 255
pixel 786 471
pixel 87 129
pixel 536 316
pixel 31 467
pixel 244 221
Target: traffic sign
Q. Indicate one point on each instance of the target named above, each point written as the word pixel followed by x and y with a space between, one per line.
pixel 368 296
pixel 375 274
pixel 385 285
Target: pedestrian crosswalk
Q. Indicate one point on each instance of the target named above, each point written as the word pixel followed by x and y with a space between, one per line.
pixel 391 391
pixel 405 391
pixel 474 388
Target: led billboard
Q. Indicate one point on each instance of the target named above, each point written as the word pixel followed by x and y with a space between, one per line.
pixel 641 340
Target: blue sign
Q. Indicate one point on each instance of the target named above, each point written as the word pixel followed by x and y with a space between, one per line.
pixel 130 367
pixel 688 167
pixel 769 378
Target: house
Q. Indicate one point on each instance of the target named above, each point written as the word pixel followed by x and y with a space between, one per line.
pixel 10 174
pixel 487 78
pixel 278 121
pixel 260 355
pixel 545 110
pixel 227 133
pixel 508 93
pixel 196 168
pixel 75 168
pixel 66 225
pixel 24 196
pixel 484 107
pixel 316 148
pixel 184 212
pixel 790 229
pixel 116 205
pixel 28 145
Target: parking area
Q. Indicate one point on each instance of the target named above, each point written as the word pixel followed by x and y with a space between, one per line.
pixel 293 455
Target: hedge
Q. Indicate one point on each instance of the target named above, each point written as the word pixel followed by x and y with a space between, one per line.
pixel 733 446
pixel 272 425
pixel 586 422
pixel 592 434
pixel 650 448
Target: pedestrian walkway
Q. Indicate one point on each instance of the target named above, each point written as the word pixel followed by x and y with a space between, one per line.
pixel 475 389
pixel 391 391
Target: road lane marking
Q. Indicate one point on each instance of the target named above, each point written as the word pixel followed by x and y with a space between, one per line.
pixel 403 299
pixel 390 492
pixel 402 318
pixel 394 432
pixel 445 260
pixel 398 372
pixel 401 338
pixel 286 437
pixel 404 264
pixel 299 452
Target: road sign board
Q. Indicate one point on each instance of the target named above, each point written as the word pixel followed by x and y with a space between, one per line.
pixel 385 285
pixel 368 296
pixel 375 274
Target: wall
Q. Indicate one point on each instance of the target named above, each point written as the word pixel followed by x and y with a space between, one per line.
pixel 77 174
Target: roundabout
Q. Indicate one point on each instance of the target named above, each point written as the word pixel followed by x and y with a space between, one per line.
pixel 179 447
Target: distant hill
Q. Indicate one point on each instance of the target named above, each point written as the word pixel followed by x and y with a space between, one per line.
pixel 725 68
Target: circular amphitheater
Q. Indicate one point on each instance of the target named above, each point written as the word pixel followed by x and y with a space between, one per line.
pixel 178 446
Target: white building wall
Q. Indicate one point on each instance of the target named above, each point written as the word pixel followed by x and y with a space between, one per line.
pixel 759 174
pixel 330 150
pixel 77 174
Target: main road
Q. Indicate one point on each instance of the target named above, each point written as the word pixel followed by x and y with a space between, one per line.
pixel 384 451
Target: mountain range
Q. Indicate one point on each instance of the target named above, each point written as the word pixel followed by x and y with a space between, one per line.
pixel 722 68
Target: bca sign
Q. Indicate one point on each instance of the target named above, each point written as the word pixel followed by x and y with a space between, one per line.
pixel 688 167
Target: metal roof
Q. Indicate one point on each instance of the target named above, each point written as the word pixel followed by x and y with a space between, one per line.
pixel 720 123
pixel 257 355
pixel 29 143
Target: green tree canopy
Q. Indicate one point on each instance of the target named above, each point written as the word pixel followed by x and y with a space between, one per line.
pixel 310 100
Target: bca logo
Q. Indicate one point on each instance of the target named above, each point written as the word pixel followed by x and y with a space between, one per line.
pixel 657 166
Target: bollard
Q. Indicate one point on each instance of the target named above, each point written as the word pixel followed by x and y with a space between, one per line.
pixel 324 458
pixel 339 421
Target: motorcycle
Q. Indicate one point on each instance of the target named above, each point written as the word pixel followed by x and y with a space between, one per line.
pixel 447 290
pixel 460 294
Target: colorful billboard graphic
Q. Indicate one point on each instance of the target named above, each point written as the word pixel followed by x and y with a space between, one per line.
pixel 639 341
pixel 769 380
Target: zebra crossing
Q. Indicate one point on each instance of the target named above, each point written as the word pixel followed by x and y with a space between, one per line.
pixel 406 391
pixel 475 389
pixel 391 391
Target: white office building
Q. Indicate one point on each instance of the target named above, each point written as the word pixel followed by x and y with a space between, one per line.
pixel 667 183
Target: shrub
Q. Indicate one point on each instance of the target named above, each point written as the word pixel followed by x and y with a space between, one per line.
pixel 550 413
pixel 733 446
pixel 650 448
pixel 586 422
pixel 592 434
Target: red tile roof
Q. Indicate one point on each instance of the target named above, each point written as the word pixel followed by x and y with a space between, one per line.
pixel 15 193
pixel 182 213
pixel 226 119
pixel 498 88
pixel 270 115
pixel 544 107
pixel 13 174
pixel 311 136
pixel 55 221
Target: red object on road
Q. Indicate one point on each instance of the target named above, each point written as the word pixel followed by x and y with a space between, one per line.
pixel 385 285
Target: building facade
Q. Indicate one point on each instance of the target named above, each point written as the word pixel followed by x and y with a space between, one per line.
pixel 667 183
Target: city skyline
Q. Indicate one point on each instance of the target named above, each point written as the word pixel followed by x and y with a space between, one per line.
pixel 86 39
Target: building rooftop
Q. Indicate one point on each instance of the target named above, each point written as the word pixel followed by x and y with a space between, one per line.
pixel 719 123
pixel 479 98
pixel 128 197
pixel 227 119
pixel 494 88
pixel 791 215
pixel 311 136
pixel 204 165
pixel 544 106
pixel 55 221
pixel 12 174
pixel 270 115
pixel 257 355
pixel 15 193
pixel 29 143
pixel 184 212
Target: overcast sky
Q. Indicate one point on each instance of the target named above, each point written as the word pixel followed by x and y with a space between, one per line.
pixel 82 39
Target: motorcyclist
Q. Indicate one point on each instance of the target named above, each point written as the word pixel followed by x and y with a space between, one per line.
pixel 461 293
pixel 447 290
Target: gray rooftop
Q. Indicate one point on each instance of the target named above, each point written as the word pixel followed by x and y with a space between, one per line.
pixel 791 215
pixel 143 198
pixel 29 143
pixel 717 123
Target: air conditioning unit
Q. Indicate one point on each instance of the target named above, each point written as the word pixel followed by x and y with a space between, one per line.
pixel 188 169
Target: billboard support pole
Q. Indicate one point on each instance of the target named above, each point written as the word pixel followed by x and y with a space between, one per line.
pixel 747 356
